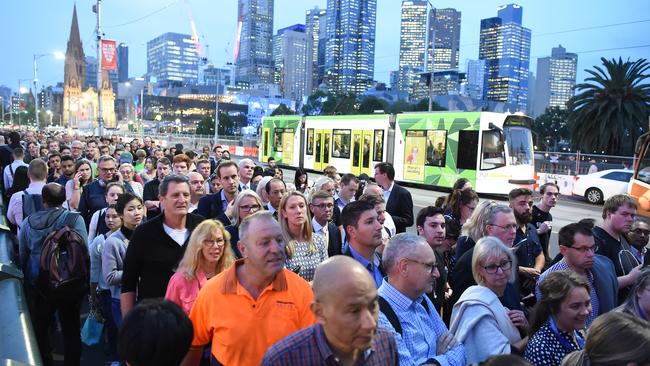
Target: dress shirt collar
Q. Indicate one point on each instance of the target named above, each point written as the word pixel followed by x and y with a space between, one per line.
pixel 363 260
pixel 324 348
pixel 395 297
pixel 316 226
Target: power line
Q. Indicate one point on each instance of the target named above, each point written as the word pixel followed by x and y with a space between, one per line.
pixel 144 16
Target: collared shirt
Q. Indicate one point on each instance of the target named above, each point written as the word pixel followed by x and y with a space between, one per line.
pixel 638 254
pixel 316 226
pixel 224 201
pixel 309 347
pixel 15 207
pixel 242 328
pixel 563 266
pixel 420 329
pixel 387 192
pixel 339 201
pixel 9 172
pixel 373 267
pixel 243 186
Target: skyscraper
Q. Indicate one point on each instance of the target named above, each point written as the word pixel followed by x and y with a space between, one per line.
pixel 290 49
pixel 350 53
pixel 475 79
pixel 446 35
pixel 413 39
pixel 122 62
pixel 316 29
pixel 254 55
pixel 556 77
pixel 505 47
pixel 172 60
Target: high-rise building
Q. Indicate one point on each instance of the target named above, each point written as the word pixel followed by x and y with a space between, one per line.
pixel 122 62
pixel 172 60
pixel 350 53
pixel 290 49
pixel 254 55
pixel 316 29
pixel 475 79
pixel 505 47
pixel 394 80
pixel 446 36
pixel 91 71
pixel 412 49
pixel 217 76
pixel 556 77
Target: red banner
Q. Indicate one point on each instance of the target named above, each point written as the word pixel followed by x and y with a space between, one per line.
pixel 109 55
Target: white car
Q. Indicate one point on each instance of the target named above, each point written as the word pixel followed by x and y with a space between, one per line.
pixel 599 186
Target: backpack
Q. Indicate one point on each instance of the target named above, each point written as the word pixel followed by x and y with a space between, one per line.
pixel 65 262
pixel 387 310
pixel 32 203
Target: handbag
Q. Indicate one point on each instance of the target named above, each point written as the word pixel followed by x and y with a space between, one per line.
pixel 91 333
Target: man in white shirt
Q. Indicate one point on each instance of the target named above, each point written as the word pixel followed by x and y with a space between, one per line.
pixel 349 186
pixel 246 167
pixel 389 224
pixel 37 173
pixel 197 189
pixel 321 205
pixel 19 156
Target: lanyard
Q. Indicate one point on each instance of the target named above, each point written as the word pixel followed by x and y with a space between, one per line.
pixel 567 346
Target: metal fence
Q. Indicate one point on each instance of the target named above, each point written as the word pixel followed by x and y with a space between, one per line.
pixel 577 163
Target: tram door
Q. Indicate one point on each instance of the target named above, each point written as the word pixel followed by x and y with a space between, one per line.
pixel 266 144
pixel 361 152
pixel 321 149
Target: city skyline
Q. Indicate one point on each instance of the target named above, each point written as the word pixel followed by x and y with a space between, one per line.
pixel 174 17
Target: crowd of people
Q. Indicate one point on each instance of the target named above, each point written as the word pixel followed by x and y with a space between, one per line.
pixel 197 259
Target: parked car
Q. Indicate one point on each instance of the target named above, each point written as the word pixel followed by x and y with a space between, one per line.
pixel 599 186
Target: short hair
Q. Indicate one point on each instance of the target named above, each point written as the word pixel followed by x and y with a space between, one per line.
pixel 542 188
pixel 235 207
pixel 104 158
pixel 399 247
pixel 267 188
pixel 67 158
pixel 140 154
pixel 164 161
pixel 518 192
pixel 320 182
pixel 225 164
pixel 427 212
pixel 244 161
pixel 270 159
pixel 159 326
pixel 319 195
pixel 37 169
pixel 349 177
pixel 261 185
pixel 114 184
pixel 19 152
pixel 53 194
pixel 386 168
pixel 54 155
pixel 182 158
pixel 566 236
pixel 216 147
pixel 202 161
pixel 123 200
pixel 372 198
pixel 486 247
pixel 172 178
pixel 246 225
pixel 485 213
pixel 615 202
pixel 330 169
pixel 352 212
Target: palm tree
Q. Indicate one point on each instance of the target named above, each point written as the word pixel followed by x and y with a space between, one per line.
pixel 612 109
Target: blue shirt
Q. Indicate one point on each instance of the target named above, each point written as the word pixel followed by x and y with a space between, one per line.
pixel 420 330
pixel 373 267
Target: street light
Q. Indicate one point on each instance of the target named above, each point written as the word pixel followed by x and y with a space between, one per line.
pixel 49 113
pixel 21 90
pixel 57 55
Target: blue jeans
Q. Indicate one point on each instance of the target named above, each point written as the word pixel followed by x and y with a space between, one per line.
pixel 111 327
pixel 116 311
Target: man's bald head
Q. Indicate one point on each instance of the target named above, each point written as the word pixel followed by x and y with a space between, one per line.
pixel 337 272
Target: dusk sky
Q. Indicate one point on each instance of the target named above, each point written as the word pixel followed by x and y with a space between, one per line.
pixel 40 26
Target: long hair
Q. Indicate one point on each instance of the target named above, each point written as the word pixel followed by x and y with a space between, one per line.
pixel 296 180
pixel 306 227
pixel 631 305
pixel 92 175
pixel 235 207
pixel 460 197
pixel 555 288
pixel 193 256
pixel 483 214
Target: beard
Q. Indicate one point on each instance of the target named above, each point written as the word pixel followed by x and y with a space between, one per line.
pixel 523 218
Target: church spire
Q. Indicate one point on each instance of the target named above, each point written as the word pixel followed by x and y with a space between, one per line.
pixel 75 59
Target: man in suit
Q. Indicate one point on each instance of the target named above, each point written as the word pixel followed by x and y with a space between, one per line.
pixel 275 189
pixel 215 205
pixel 363 233
pixel 321 205
pixel 399 203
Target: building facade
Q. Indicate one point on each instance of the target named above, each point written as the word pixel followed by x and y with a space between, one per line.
pixel 505 47
pixel 475 79
pixel 290 50
pixel 316 29
pixel 446 38
pixel 350 51
pixel 172 59
pixel 556 77
pixel 122 62
pixel 414 33
pixel 254 54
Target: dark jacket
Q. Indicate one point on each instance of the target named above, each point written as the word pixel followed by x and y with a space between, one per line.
pixel 150 193
pixel 335 244
pixel 234 238
pixel 152 256
pixel 93 198
pixel 400 207
pixel 211 207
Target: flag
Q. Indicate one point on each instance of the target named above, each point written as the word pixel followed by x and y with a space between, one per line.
pixel 109 55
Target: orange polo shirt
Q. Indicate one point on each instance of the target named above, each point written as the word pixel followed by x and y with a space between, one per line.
pixel 241 328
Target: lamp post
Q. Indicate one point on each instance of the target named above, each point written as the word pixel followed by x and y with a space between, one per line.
pixel 49 113
pixel 2 103
pixel 21 90
pixel 59 56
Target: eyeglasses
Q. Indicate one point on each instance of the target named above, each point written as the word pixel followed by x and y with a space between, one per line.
pixel 507 227
pixel 323 205
pixel 641 232
pixel 248 208
pixel 584 250
pixel 214 243
pixel 431 267
pixel 108 170
pixel 493 268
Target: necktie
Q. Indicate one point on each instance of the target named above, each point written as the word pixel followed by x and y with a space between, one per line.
pixel 326 234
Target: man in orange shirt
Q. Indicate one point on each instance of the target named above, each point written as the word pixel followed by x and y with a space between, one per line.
pixel 252 305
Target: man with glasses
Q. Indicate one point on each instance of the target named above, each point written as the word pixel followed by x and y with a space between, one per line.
pixel 405 310
pixel 542 218
pixel 638 237
pixel 93 197
pixel 77 150
pixel 578 250
pixel 321 205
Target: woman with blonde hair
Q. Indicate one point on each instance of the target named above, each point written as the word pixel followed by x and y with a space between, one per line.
pixel 246 204
pixel 305 251
pixel 208 253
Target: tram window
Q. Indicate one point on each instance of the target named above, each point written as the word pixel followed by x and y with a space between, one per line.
pixel 519 145
pixel 277 139
pixel 644 168
pixel 468 140
pixel 378 153
pixel 436 148
pixel 310 141
pixel 492 153
pixel 342 143
pixel 266 142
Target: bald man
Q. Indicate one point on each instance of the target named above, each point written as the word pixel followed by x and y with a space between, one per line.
pixel 346 308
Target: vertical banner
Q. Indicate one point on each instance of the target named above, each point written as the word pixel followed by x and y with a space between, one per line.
pixel 414 148
pixel 109 55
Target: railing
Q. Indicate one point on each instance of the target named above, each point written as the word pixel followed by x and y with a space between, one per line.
pixel 576 163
